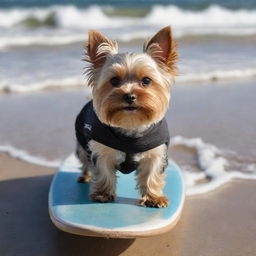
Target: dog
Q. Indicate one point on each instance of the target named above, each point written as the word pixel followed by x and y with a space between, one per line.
pixel 123 127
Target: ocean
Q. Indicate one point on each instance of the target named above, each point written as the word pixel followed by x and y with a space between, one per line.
pixel 41 72
pixel 47 38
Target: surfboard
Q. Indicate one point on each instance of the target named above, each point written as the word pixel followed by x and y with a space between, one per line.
pixel 72 211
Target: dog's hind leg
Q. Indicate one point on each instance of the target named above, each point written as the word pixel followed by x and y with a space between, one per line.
pixel 103 182
pixel 83 157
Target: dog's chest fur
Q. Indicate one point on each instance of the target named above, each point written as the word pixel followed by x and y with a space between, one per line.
pixel 124 162
pixel 118 159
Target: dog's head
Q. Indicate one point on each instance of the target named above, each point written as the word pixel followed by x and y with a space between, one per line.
pixel 131 90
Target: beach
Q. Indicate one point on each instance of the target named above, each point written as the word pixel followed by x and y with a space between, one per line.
pixel 221 222
pixel 211 119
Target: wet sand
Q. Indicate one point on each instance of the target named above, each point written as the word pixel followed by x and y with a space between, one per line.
pixel 222 114
pixel 214 224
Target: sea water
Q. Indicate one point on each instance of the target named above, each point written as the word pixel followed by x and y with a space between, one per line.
pixel 41 43
pixel 41 47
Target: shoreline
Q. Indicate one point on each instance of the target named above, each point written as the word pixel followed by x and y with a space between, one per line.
pixel 214 130
pixel 214 112
pixel 217 223
pixel 217 77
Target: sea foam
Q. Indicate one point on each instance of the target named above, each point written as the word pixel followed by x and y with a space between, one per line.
pixel 215 75
pixel 75 21
pixel 26 157
pixel 79 82
pixel 210 159
pixel 74 17
pixel 212 165
pixel 61 83
pixel 9 41
pixel 213 16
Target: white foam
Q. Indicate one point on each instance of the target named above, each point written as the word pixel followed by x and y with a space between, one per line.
pixel 214 16
pixel 7 42
pixel 68 16
pixel 71 164
pixel 232 74
pixel 11 17
pixel 76 21
pixel 78 82
pixel 212 165
pixel 63 38
pixel 26 157
pixel 68 82
pixel 75 36
pixel 211 162
pixel 74 17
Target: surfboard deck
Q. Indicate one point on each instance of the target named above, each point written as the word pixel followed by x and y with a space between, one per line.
pixel 72 211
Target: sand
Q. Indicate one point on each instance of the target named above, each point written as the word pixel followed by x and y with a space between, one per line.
pixel 219 223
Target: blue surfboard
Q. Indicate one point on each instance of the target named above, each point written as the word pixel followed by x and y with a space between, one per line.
pixel 72 211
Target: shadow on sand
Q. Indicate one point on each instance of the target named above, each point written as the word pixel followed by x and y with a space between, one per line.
pixel 26 228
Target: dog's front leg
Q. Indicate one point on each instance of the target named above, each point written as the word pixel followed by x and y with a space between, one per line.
pixel 103 181
pixel 150 178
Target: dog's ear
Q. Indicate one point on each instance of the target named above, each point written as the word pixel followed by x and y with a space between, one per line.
pixel 98 48
pixel 162 48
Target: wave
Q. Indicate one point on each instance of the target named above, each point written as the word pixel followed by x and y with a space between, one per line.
pixel 46 38
pixel 40 40
pixel 26 157
pixel 59 39
pixel 75 21
pixel 60 16
pixel 213 167
pixel 217 75
pixel 70 24
pixel 68 82
pixel 213 16
pixel 211 162
pixel 94 16
pixel 77 82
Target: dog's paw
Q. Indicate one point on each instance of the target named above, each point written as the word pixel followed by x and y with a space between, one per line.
pixel 102 197
pixel 84 179
pixel 155 202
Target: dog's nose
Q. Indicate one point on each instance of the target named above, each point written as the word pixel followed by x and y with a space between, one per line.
pixel 129 98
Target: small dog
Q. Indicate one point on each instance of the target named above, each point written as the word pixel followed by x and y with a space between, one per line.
pixel 123 127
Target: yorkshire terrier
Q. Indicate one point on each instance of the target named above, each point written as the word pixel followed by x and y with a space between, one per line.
pixel 123 127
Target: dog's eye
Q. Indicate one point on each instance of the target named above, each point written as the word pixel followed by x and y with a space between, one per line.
pixel 115 81
pixel 146 81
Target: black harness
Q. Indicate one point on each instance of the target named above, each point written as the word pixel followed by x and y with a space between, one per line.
pixel 88 127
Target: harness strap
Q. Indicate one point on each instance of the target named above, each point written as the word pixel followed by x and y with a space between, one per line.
pixel 129 164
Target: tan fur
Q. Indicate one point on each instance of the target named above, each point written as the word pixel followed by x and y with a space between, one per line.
pixel 97 49
pixel 85 176
pixel 163 49
pixel 157 62
pixel 152 102
pixel 103 183
pixel 150 177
